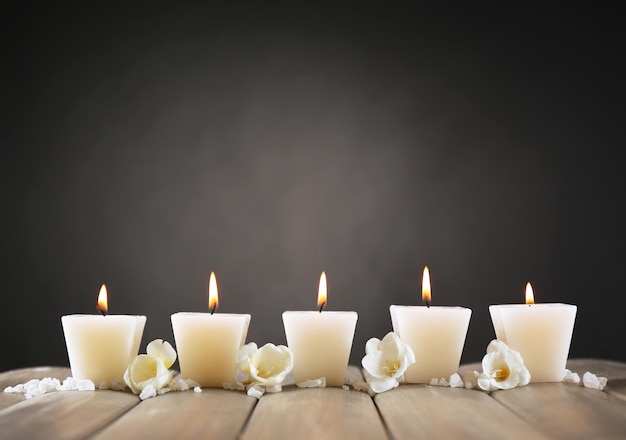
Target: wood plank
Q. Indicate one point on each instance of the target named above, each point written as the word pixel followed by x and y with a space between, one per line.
pixel 316 413
pixel 213 413
pixel 23 375
pixel 422 411
pixel 64 414
pixel 567 411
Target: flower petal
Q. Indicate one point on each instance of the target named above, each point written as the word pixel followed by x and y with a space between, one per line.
pixel 371 346
pixel 382 385
pixel 373 363
pixel 243 356
pixel 162 349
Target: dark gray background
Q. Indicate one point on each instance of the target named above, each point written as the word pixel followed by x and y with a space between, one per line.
pixel 144 147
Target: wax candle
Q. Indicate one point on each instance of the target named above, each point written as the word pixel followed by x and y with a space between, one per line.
pixel 321 341
pixel 435 333
pixel 207 343
pixel 542 334
pixel 100 348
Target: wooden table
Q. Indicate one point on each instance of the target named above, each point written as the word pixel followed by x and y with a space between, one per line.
pixel 536 411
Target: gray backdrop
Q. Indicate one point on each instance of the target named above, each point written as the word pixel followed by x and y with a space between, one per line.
pixel 144 147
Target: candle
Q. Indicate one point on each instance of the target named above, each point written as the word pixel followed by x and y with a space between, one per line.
pixel 207 343
pixel 436 335
pixel 320 341
pixel 101 347
pixel 542 334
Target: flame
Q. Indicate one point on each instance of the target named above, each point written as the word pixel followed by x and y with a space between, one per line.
pixel 213 300
pixel 426 296
pixel 103 303
pixel 530 297
pixel 322 292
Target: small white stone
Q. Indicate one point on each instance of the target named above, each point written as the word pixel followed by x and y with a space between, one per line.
pixel 434 381
pixel 255 391
pixel 313 383
pixel 147 392
pixel 592 381
pixel 103 385
pixel 85 385
pixel 456 381
pixel 572 378
pixel 345 387
pixel 197 389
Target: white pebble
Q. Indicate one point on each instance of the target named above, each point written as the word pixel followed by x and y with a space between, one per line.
pixel 434 381
pixel 345 387
pixel 590 380
pixel 197 389
pixel 255 391
pixel 456 381
pixel 147 392
pixel 313 383
pixel 572 378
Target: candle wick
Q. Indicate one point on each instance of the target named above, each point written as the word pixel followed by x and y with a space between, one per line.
pixel 101 311
pixel 322 306
pixel 213 309
pixel 427 304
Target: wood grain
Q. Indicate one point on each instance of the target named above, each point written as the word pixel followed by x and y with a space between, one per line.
pixel 567 411
pixel 213 413
pixel 316 413
pixel 423 411
pixel 64 414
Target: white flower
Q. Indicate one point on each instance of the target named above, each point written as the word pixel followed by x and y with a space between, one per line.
pixel 503 368
pixel 386 361
pixel 267 366
pixel 151 370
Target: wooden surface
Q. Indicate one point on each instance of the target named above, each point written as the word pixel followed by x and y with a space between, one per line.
pixel 537 411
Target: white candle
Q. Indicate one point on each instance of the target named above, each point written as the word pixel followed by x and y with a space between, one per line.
pixel 101 347
pixel 435 333
pixel 321 341
pixel 207 343
pixel 542 334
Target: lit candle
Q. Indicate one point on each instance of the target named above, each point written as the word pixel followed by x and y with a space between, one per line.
pixel 101 347
pixel 320 341
pixel 207 343
pixel 436 335
pixel 542 334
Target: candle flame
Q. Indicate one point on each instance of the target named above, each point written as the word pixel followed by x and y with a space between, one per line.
pixel 530 297
pixel 103 303
pixel 322 292
pixel 426 295
pixel 213 300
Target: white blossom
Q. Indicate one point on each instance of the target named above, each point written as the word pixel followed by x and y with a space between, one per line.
pixel 503 368
pixel 149 373
pixel 267 366
pixel 386 361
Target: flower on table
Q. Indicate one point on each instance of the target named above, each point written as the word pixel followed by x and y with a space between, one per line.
pixel 386 361
pixel 503 368
pixel 264 369
pixel 150 371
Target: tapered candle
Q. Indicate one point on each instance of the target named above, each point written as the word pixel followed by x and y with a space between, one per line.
pixel 208 342
pixel 320 340
pixel 100 347
pixel 541 333
pixel 435 333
